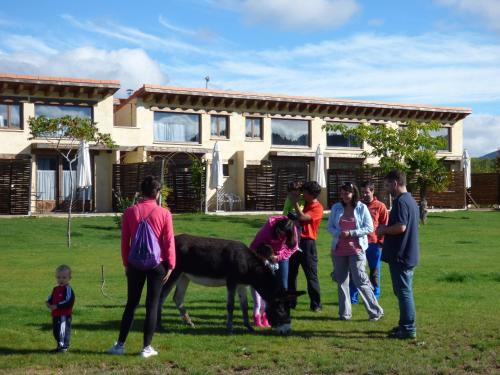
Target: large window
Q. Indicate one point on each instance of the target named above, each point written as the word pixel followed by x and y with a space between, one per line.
pixel 290 132
pixel 444 134
pixel 176 127
pixel 57 111
pixel 46 178
pixel 253 128
pixel 336 139
pixel 10 116
pixel 219 126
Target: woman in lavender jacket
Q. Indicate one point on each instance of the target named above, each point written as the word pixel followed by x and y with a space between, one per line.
pixel 280 233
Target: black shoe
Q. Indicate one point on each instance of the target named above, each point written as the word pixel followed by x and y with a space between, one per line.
pixel 59 350
pixel 402 335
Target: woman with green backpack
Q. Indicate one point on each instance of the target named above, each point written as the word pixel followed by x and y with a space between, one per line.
pixel 148 253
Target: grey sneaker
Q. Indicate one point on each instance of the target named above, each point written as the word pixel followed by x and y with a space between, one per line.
pixel 116 349
pixel 148 351
pixel 376 318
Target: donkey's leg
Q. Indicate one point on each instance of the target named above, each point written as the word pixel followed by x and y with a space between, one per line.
pixel 231 289
pixel 242 294
pixel 180 292
pixel 165 290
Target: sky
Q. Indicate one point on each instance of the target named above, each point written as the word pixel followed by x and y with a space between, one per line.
pixel 437 52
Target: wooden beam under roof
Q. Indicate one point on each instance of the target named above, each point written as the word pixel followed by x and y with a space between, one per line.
pixel 18 89
pixel 91 92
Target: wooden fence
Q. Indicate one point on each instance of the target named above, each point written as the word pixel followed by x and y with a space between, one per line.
pixel 485 188
pixel 15 182
pixel 266 186
pixel 453 197
pixel 184 195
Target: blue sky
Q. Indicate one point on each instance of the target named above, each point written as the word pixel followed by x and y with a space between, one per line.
pixel 438 52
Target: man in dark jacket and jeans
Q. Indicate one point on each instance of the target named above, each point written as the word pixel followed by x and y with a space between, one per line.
pixel 401 251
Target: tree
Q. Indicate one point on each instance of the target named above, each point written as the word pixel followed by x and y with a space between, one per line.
pixel 66 133
pixel 411 148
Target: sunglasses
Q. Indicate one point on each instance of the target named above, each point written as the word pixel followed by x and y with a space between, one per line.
pixel 347 185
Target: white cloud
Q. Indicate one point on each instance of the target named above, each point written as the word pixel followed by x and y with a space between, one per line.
pixel 133 36
pixel 481 134
pixel 133 67
pixel 430 69
pixel 488 10
pixel 293 14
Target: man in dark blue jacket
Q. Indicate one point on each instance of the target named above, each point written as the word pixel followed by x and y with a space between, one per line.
pixel 401 251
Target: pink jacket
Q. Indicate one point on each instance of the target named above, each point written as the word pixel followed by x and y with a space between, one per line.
pixel 161 223
pixel 265 237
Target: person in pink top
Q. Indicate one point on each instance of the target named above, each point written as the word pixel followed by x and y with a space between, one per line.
pixel 349 223
pixel 280 233
pixel 160 220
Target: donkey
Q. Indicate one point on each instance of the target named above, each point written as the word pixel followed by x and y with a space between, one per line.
pixel 219 261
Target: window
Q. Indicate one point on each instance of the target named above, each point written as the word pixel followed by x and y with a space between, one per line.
pixel 225 170
pixel 10 116
pixel 253 127
pixel 290 132
pixel 46 178
pixel 176 127
pixel 219 126
pixel 57 111
pixel 443 133
pixel 336 139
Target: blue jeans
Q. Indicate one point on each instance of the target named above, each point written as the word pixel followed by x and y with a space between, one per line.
pixel 402 285
pixel 282 273
pixel 373 256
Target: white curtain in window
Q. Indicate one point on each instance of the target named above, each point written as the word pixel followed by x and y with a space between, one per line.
pixel 170 132
pixel 46 185
pixel 67 184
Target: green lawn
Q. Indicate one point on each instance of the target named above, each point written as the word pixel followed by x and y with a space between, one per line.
pixel 457 288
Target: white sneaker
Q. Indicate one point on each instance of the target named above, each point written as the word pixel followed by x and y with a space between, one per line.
pixel 116 349
pixel 376 318
pixel 148 351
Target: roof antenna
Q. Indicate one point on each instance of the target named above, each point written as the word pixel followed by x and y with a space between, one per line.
pixel 207 79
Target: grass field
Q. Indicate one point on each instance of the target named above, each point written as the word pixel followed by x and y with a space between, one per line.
pixel 457 291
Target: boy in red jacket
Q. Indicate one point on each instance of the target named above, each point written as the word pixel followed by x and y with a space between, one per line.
pixel 60 303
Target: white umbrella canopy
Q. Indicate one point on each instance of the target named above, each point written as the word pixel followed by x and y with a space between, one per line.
pixel 216 175
pixel 83 170
pixel 319 167
pixel 466 163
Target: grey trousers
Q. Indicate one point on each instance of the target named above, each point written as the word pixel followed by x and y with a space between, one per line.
pixel 355 265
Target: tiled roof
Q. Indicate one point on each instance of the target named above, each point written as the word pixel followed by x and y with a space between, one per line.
pixel 8 77
pixel 149 88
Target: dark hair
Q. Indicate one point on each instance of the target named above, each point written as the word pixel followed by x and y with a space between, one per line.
pixel 265 251
pixel 351 188
pixel 286 226
pixel 396 175
pixel 367 184
pixel 150 186
pixel 62 268
pixel 312 187
pixel 294 186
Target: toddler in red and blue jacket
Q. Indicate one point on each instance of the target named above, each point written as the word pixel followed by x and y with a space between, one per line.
pixel 60 303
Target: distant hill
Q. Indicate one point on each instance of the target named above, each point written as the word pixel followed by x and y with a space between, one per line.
pixel 491 155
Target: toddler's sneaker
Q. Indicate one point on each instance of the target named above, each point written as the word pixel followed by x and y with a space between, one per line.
pixel 116 349
pixel 148 351
pixel 376 318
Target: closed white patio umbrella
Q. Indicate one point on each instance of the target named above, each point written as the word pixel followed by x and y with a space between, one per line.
pixel 466 163
pixel 319 167
pixel 83 170
pixel 216 175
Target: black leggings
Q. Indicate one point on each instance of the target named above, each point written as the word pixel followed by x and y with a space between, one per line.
pixel 135 284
